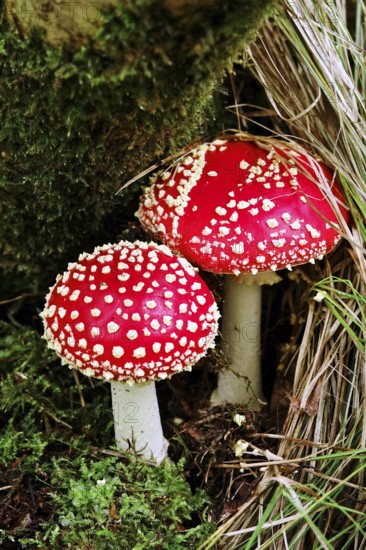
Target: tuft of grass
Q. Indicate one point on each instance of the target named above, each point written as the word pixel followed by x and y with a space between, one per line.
pixel 311 494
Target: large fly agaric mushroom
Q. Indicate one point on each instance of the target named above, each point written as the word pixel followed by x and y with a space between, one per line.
pixel 131 313
pixel 235 208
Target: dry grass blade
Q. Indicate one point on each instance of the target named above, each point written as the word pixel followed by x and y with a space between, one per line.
pixel 311 61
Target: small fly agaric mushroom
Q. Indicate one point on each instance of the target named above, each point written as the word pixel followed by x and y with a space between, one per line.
pixel 235 208
pixel 131 313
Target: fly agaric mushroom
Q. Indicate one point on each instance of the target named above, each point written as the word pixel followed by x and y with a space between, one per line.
pixel 131 313
pixel 234 208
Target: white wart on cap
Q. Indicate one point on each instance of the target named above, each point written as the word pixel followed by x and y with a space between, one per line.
pixel 130 312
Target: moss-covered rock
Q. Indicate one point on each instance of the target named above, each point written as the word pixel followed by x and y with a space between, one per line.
pixel 79 119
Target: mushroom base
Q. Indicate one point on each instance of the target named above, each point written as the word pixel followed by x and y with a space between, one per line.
pixel 241 320
pixel 137 420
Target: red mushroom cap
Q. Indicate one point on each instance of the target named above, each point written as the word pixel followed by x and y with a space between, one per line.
pixel 233 207
pixel 130 311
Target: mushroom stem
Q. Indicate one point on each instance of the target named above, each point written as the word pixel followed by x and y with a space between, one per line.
pixel 241 326
pixel 137 420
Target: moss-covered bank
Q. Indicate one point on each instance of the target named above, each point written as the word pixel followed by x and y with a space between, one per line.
pixel 79 119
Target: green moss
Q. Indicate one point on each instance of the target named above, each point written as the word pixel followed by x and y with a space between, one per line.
pixel 76 124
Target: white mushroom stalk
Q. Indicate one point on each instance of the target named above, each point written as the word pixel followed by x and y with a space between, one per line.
pixel 241 334
pixel 131 314
pixel 137 423
pixel 234 208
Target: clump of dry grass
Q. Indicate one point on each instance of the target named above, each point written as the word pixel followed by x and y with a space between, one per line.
pixel 311 493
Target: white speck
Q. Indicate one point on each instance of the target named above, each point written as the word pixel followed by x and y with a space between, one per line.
pixel 95 332
pixel 179 324
pixel 261 259
pixel 268 205
pixel 123 276
pixel 136 317
pixel 243 164
pixel 167 320
pixel 128 303
pixel 108 299
pixel 139 353
pixel 122 266
pixel 234 217
pixel 224 231
pixel 254 211
pixel 138 287
pixel 98 349
pixel 71 341
pixel 74 314
pixel 212 173
pixel 64 290
pixel 165 176
pixel 183 308
pixel 272 223
pixel 238 248
pixel 117 352
pixel 170 278
pixel 112 327
pixel 155 324
pixel 262 245
pixel 191 326
pixel 201 300
pixel 151 304
pixel 220 211
pixel 295 225
pixel 243 204
pixel 183 341
pixel 231 204
pixel 88 299
pixel 95 312
pixel 106 269
pixel 61 312
pixel 313 232
pixel 279 243
pixel 206 231
pixel 132 334
pixel 82 343
pixel 169 346
pixel 52 310
pixel 80 327
pixel 319 297
pixel 156 347
pixel 75 295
